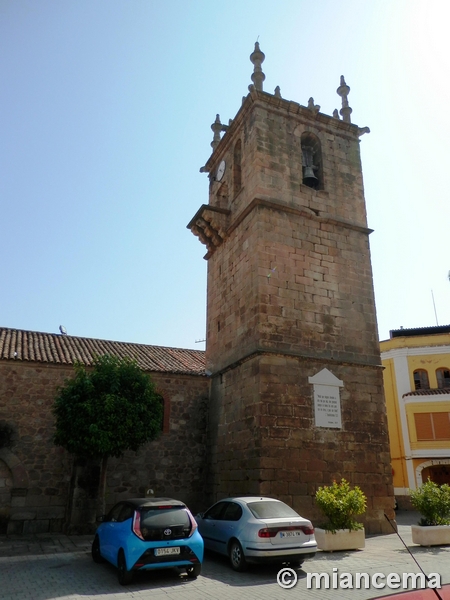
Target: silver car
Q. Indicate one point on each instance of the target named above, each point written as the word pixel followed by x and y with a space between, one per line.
pixel 254 529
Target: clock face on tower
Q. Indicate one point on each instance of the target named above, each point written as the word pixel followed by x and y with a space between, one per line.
pixel 220 170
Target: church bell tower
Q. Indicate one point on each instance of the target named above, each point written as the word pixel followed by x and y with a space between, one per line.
pixel 296 394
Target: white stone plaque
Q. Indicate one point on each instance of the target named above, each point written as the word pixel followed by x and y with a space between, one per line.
pixel 327 401
pixel 327 406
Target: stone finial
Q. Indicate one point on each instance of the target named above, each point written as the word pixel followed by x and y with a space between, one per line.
pixel 277 92
pixel 257 58
pixel 313 107
pixel 217 127
pixel 343 91
pixel 336 114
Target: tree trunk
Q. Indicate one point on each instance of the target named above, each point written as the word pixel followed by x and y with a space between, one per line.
pixel 69 507
pixel 83 496
pixel 101 501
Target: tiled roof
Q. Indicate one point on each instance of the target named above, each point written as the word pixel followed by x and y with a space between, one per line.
pixel 415 331
pixel 32 346
pixel 433 392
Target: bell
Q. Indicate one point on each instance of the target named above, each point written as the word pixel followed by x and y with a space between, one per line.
pixel 308 177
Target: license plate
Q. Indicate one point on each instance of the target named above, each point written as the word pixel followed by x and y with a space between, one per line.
pixel 284 534
pixel 167 551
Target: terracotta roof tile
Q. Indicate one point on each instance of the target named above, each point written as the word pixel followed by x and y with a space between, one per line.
pixel 33 346
pixel 432 392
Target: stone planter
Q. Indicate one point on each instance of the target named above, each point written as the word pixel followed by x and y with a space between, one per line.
pixel 343 539
pixel 435 535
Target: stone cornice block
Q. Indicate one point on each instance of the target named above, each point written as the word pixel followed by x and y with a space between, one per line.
pixel 210 225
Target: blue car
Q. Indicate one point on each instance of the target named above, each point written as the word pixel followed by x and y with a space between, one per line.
pixel 149 533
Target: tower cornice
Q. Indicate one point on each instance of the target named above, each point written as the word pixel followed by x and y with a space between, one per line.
pixel 275 104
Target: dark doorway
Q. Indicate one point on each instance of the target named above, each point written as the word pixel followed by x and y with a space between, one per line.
pixel 6 482
pixel 438 473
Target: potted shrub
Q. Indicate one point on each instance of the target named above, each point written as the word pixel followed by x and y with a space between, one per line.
pixel 433 503
pixel 340 504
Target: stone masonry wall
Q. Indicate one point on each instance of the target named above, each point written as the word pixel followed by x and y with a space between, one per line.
pixel 276 167
pixel 268 443
pixel 318 300
pixel 270 133
pixel 232 304
pixel 294 272
pixel 174 464
pixel 41 472
pixel 292 282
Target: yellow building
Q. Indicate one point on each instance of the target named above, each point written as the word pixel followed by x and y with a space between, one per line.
pixel 417 387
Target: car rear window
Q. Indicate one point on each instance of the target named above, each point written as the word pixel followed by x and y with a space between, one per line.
pixel 164 517
pixel 271 510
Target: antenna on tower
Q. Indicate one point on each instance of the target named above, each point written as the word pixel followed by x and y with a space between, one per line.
pixel 435 313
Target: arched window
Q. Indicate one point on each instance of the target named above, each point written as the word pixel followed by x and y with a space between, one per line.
pixel 312 172
pixel 421 380
pixel 165 399
pixel 443 378
pixel 237 173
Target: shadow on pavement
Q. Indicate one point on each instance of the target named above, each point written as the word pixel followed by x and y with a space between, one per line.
pixel 66 575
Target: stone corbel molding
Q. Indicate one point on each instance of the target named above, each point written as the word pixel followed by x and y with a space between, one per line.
pixel 210 225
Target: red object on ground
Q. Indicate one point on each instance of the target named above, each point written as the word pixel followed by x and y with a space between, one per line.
pixel 426 594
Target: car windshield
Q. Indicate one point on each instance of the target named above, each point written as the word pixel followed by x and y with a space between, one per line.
pixel 164 517
pixel 271 510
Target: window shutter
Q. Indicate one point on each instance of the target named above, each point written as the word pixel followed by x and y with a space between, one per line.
pixel 441 422
pixel 424 427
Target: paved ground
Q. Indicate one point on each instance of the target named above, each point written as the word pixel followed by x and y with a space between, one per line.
pixel 52 566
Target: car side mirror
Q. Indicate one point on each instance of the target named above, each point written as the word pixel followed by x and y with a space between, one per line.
pixel 200 515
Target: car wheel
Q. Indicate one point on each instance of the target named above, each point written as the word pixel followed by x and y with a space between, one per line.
pixel 95 550
pixel 237 556
pixel 125 577
pixel 194 571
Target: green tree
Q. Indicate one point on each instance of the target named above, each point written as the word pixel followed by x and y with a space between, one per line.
pixel 105 411
pixel 433 503
pixel 340 503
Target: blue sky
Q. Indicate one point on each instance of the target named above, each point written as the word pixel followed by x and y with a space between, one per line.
pixel 106 109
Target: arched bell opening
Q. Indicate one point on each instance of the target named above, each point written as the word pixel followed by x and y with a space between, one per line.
pixel 312 170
